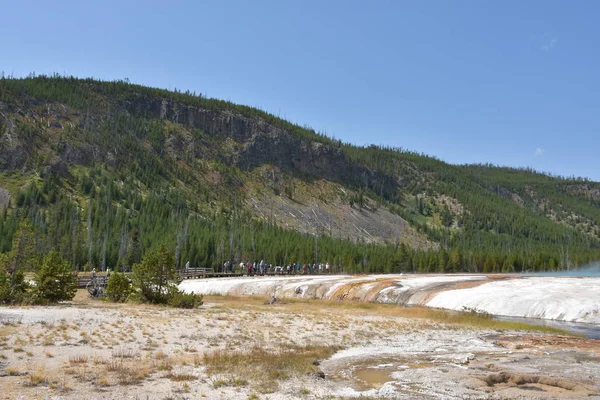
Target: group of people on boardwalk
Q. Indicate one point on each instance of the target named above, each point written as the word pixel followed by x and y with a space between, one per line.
pixel 262 268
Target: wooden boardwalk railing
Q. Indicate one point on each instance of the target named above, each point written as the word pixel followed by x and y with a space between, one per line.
pixel 189 273
pixel 82 281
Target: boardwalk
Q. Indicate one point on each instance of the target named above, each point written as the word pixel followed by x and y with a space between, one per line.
pixel 82 281
pixel 190 273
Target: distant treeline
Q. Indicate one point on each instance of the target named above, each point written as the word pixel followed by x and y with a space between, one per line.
pixel 106 235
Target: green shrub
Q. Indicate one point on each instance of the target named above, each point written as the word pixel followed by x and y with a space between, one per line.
pixel 154 281
pixel 118 288
pixel 54 280
pixel 180 299
pixel 12 282
pixel 12 288
pixel 135 297
pixel 154 276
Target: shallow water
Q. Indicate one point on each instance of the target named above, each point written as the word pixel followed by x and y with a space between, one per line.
pixel 590 331
pixel 456 372
pixel 373 378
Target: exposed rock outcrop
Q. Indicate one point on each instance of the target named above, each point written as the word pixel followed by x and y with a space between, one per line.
pixel 264 143
pixel 4 198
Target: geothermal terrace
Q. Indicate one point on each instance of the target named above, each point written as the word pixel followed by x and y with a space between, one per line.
pixel 325 337
pixel 573 299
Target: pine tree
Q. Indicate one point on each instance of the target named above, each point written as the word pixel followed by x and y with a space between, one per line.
pixel 155 275
pixel 55 280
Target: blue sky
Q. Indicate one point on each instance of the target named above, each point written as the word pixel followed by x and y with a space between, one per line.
pixel 508 82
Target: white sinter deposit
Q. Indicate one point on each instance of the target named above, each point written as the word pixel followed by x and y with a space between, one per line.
pixel 557 298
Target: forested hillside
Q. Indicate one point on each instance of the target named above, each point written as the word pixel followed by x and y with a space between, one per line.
pixel 103 172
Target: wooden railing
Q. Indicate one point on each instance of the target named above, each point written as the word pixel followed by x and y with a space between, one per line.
pixel 186 273
pixel 194 273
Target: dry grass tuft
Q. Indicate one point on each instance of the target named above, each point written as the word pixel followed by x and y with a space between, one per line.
pixel 48 341
pixel 180 377
pixel 13 371
pixel 160 355
pixel 234 382
pixel 124 353
pixel 128 373
pixel 102 381
pixel 37 378
pixel 78 359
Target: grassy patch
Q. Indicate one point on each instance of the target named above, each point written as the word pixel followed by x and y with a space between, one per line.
pixel 13 181
pixel 309 306
pixel 476 320
pixel 6 330
pixel 265 368
pixel 234 382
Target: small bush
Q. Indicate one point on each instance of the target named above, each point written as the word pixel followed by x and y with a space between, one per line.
pixel 118 288
pixel 180 299
pixel 135 297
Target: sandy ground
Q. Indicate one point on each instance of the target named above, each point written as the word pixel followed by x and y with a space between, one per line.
pixel 94 350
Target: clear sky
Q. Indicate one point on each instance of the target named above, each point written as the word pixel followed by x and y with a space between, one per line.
pixel 508 82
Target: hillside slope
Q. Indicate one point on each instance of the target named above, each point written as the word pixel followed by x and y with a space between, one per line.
pixel 106 170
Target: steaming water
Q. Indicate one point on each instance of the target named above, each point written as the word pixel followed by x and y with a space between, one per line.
pixel 589 270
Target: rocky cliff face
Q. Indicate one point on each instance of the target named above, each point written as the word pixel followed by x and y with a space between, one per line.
pixel 4 198
pixel 12 152
pixel 263 143
pixel 259 142
pixel 59 137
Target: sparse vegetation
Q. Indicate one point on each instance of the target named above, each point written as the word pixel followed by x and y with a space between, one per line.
pixel 217 357
pixel 264 368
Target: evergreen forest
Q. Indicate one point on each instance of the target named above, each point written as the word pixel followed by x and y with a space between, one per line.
pixel 107 172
